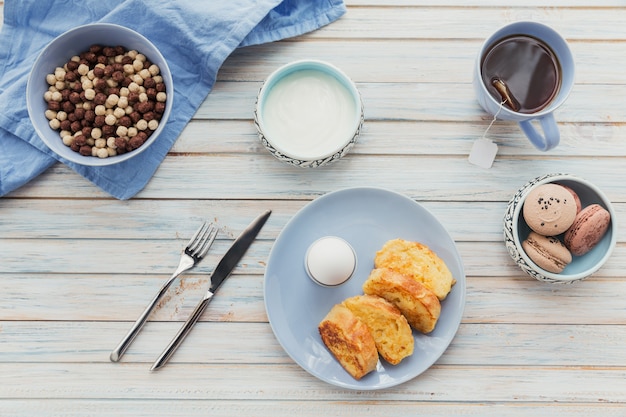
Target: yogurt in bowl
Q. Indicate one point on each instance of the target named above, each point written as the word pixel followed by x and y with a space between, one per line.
pixel 308 113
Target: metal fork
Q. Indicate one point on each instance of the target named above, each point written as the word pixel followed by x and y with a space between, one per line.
pixel 196 249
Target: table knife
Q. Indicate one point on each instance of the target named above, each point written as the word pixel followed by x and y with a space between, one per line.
pixel 220 273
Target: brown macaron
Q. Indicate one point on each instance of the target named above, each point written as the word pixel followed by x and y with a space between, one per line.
pixel 547 252
pixel 549 209
pixel 587 230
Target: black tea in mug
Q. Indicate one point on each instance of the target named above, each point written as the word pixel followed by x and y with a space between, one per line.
pixel 522 72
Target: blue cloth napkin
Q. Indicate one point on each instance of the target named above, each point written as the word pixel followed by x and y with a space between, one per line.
pixel 209 31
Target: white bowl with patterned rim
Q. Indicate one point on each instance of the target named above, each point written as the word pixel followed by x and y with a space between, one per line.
pixel 516 230
pixel 308 113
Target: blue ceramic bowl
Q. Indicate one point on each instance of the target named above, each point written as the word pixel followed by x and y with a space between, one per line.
pixel 74 42
pixel 516 231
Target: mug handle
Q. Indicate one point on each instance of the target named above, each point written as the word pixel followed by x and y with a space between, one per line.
pixel 551 135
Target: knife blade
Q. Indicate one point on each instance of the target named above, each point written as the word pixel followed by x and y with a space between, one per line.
pixel 220 273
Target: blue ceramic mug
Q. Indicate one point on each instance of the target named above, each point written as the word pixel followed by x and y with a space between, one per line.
pixel 544 117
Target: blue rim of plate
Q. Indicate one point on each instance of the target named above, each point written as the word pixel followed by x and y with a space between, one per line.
pixel 366 217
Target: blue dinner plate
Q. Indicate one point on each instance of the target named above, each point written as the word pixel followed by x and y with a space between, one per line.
pixel 366 218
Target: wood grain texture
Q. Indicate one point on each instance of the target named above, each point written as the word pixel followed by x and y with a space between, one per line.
pixel 77 267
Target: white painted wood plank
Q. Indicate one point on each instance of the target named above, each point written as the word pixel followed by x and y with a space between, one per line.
pixel 451 102
pixel 311 408
pixel 470 22
pixel 236 176
pixel 107 258
pixel 117 297
pixel 176 220
pixel 210 342
pixel 282 382
pixel 408 60
pixel 415 138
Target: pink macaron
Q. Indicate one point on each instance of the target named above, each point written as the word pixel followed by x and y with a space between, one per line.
pixel 547 252
pixel 549 209
pixel 579 205
pixel 587 230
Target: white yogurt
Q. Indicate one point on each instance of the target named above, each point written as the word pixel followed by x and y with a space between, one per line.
pixel 330 261
pixel 309 114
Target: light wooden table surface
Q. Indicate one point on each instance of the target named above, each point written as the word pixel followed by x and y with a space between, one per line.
pixel 77 267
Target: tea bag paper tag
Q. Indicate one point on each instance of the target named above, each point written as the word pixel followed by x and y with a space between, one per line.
pixel 483 153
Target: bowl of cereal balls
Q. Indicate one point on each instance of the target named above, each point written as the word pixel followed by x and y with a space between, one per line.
pixel 560 228
pixel 99 94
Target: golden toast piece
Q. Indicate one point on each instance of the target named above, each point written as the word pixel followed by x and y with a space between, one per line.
pixel 418 261
pixel 418 304
pixel 349 340
pixel 390 329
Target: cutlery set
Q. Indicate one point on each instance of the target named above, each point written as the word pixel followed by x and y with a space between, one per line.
pixel 193 253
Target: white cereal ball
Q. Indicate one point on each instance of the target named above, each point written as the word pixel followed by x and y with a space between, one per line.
pixel 102 152
pixel 47 96
pixel 137 79
pixel 50 114
pixel 111 151
pixel 100 143
pixel 137 65
pixel 96 133
pixel 83 69
pixel 154 70
pixel 68 140
pixel 121 131
pixel 60 85
pixel 153 124
pixel 90 93
pixel 112 100
pixel 51 79
pixel 161 97
pixel 56 96
pixel 61 115
pixel 144 73
pixel 94 151
pixel 132 132
pixel 124 91
pixel 129 69
pixel 119 112
pixel 59 73
pixel 100 110
pixel 110 119
pixel 133 87
pixel 141 125
pixel 143 97
pixel 141 57
pixel 90 141
pixel 55 124
pixel 122 103
pixel 111 143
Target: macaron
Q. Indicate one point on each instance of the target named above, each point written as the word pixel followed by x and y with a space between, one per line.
pixel 549 209
pixel 587 230
pixel 579 205
pixel 547 252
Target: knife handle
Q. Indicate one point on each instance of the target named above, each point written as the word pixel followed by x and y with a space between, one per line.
pixel 183 332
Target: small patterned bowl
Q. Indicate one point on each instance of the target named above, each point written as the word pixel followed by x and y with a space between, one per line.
pixel 308 113
pixel 516 231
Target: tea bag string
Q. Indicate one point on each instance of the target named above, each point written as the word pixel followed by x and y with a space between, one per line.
pixel 495 117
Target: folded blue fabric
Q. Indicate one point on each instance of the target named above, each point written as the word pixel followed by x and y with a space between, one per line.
pixel 195 37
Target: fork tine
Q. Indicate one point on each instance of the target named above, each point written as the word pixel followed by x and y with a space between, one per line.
pixel 197 237
pixel 207 242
